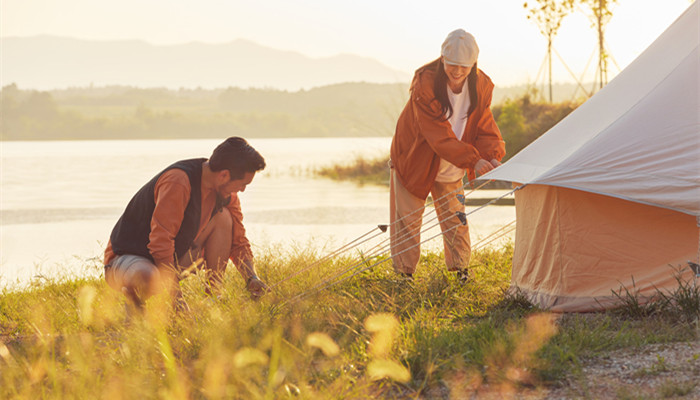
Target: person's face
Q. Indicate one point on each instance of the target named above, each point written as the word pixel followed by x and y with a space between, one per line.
pixel 235 185
pixel 456 74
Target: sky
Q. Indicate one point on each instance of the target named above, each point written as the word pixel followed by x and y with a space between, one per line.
pixel 402 34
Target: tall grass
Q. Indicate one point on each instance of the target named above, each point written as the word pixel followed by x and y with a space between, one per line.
pixel 373 335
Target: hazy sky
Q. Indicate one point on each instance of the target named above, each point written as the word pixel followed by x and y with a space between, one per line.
pixel 402 34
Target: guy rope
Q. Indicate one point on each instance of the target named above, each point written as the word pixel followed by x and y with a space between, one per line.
pixel 384 246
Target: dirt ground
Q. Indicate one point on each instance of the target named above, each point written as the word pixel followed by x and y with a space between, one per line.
pixel 658 371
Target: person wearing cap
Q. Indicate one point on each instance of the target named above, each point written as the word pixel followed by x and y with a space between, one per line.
pixel 188 214
pixel 445 131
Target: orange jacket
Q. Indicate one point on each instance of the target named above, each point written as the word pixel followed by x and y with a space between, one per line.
pixel 172 194
pixel 423 135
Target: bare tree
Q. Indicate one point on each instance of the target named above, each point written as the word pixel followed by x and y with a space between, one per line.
pixel 548 15
pixel 601 15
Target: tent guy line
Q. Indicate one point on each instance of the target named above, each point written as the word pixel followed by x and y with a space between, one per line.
pixel 383 228
pixel 340 250
pixel 339 276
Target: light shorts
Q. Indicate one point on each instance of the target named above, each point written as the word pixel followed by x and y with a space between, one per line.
pixel 121 266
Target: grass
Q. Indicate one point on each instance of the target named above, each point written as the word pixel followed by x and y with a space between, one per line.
pixel 376 171
pixel 361 170
pixel 372 336
pixel 672 389
pixel 680 304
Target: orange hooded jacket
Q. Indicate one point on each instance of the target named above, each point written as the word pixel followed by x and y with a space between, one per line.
pixel 424 136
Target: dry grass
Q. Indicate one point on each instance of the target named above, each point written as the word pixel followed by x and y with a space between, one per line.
pixel 372 336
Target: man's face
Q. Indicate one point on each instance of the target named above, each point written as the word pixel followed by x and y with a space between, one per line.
pixel 235 185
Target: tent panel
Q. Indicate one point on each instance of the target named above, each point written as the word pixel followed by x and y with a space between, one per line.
pixel 651 154
pixel 614 111
pixel 572 248
pixel 537 238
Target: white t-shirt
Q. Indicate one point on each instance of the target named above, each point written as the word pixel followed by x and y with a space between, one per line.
pixel 448 172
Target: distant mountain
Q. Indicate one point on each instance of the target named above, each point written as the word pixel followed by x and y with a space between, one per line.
pixel 49 62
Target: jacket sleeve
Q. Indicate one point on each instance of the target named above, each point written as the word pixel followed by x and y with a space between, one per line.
pixel 171 194
pixel 436 130
pixel 489 141
pixel 240 246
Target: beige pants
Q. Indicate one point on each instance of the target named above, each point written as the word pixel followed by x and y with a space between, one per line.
pixel 406 219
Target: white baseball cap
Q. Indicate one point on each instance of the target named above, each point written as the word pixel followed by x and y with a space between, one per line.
pixel 460 49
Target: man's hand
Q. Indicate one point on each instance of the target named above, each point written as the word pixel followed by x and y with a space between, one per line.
pixel 256 287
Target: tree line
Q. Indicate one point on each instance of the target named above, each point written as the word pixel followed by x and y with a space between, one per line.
pixel 349 110
pixel 356 109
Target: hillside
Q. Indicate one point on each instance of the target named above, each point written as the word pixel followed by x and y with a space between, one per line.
pixel 50 62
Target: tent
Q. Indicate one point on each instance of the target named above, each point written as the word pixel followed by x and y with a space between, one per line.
pixel 610 196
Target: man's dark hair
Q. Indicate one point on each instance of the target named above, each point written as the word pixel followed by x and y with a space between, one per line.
pixel 237 156
pixel 440 89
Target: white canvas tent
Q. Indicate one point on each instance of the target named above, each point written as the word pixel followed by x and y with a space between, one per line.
pixel 612 193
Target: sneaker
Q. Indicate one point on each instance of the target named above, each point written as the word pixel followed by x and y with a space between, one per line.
pixel 133 300
pixel 406 276
pixel 463 276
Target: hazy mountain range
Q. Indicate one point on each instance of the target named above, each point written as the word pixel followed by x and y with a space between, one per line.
pixel 49 62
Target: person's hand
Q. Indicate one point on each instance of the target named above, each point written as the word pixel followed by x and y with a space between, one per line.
pixel 482 166
pixel 256 287
pixel 495 163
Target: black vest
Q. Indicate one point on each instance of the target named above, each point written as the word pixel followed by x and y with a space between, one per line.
pixel 131 233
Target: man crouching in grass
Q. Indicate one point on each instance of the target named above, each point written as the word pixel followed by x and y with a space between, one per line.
pixel 189 211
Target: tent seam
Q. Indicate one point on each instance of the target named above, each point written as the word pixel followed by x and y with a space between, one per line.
pixel 618 197
pixel 559 235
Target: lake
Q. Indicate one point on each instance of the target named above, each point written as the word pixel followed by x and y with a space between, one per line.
pixel 60 199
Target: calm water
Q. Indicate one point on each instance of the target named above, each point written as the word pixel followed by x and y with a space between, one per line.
pixel 59 200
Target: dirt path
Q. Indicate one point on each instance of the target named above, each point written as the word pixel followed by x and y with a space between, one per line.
pixel 657 371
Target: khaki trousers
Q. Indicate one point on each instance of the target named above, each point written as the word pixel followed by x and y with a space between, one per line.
pixel 406 219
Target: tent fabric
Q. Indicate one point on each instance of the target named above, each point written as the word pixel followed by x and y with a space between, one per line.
pixel 574 248
pixel 638 138
pixel 610 196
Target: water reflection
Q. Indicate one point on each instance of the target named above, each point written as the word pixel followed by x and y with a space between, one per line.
pixel 60 200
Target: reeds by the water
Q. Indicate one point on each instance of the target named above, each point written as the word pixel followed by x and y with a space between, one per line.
pixel 361 170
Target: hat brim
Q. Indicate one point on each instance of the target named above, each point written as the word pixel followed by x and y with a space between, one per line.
pixel 446 61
